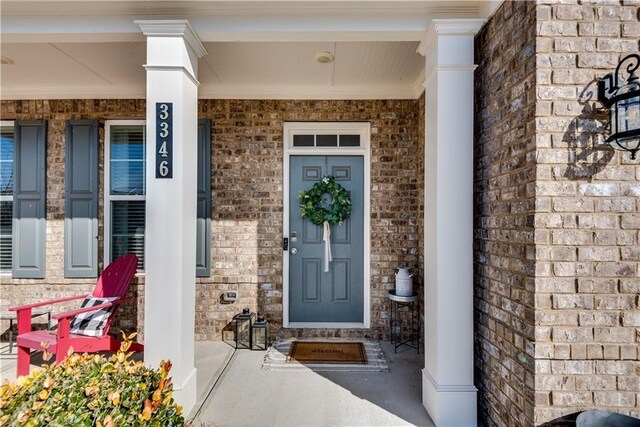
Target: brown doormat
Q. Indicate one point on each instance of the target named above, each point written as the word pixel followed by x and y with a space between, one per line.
pixel 327 352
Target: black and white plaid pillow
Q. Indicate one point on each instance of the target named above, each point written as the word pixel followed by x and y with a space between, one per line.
pixel 92 323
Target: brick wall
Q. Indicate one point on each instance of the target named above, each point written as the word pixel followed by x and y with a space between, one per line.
pixel 587 217
pixel 55 285
pixel 504 183
pixel 557 251
pixel 247 150
pixel 247 204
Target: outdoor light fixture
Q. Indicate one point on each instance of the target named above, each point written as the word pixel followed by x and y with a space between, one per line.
pixel 325 57
pixel 623 101
pixel 260 334
pixel 244 321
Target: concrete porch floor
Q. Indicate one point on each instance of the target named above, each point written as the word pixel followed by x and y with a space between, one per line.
pixel 234 391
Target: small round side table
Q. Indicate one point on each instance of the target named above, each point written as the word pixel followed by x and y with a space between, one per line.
pixel 411 305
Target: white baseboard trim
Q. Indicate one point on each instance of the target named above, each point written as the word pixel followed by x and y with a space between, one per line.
pixel 186 394
pixel 449 405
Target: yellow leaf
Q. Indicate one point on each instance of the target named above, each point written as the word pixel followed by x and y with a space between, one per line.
pixel 157 395
pixel 132 335
pixel 125 346
pixel 70 351
pixel 44 394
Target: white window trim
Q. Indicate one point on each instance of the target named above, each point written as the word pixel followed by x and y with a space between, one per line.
pixel 108 198
pixel 344 128
pixel 8 273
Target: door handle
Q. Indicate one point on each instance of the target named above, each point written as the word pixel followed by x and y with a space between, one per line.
pixel 294 251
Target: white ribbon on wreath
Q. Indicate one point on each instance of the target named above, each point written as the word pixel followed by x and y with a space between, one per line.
pixel 326 237
pixel 309 205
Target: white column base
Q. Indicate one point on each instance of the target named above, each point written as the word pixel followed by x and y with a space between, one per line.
pixel 186 394
pixel 449 405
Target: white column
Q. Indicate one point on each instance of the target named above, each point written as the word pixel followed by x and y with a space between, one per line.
pixel 173 50
pixel 448 391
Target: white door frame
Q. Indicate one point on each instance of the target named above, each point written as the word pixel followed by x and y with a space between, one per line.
pixel 351 128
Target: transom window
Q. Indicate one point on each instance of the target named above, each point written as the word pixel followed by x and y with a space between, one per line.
pixel 326 140
pixel 6 194
pixel 125 190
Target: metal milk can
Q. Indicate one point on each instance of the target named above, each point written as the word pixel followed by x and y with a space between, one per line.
pixel 404 282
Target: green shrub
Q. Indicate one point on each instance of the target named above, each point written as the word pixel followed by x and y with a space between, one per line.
pixel 91 390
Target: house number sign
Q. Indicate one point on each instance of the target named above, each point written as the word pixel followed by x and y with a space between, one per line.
pixel 164 140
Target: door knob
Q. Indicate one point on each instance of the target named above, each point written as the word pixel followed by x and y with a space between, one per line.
pixel 294 251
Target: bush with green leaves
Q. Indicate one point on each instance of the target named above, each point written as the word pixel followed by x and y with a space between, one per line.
pixel 92 390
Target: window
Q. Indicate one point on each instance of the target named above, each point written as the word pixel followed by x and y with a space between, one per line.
pixel 6 194
pixel 125 190
pixel 325 140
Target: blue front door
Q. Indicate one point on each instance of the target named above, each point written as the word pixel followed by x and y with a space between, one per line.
pixel 336 295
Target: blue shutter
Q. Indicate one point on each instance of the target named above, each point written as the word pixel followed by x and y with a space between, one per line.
pixel 30 197
pixel 203 230
pixel 81 199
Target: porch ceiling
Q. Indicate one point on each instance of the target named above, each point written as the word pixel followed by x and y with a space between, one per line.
pixel 256 49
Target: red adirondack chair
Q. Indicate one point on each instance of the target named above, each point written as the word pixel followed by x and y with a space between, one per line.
pixel 113 282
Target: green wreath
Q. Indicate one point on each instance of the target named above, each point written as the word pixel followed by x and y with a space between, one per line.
pixel 312 206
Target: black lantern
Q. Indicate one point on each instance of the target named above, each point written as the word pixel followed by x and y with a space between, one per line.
pixel 260 334
pixel 623 100
pixel 244 321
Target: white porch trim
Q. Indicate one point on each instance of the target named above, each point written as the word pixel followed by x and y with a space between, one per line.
pixel 173 50
pixel 448 390
pixel 364 130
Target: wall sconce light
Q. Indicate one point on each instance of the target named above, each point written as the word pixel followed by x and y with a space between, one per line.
pixel 623 101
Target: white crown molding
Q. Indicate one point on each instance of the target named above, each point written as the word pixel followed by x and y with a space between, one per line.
pixel 392 91
pixel 449 27
pixel 235 7
pixel 454 68
pixel 406 91
pixel 172 28
pixel 73 92
pixel 184 69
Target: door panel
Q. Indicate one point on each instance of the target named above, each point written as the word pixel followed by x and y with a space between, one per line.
pixel 336 295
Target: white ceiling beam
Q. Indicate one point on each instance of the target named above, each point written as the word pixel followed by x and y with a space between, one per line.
pixel 90 29
pixel 93 29
pixel 248 91
pixel 109 21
